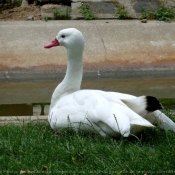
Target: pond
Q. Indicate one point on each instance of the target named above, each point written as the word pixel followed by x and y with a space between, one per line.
pixel 33 97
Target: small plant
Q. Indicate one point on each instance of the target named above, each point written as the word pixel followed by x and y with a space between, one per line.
pixel 162 13
pixel 62 15
pixel 46 18
pixel 87 14
pixel 122 13
pixel 147 13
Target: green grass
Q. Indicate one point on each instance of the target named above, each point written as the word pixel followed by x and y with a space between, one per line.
pixel 168 103
pixel 35 149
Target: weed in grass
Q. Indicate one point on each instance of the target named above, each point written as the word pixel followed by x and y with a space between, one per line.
pixel 30 147
pixel 86 12
pixel 162 13
pixel 59 15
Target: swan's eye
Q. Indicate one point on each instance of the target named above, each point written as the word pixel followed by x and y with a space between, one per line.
pixel 62 36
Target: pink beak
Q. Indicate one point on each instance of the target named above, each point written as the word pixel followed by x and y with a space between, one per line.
pixel 54 43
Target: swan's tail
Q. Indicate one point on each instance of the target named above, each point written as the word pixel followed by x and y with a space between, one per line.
pixel 148 107
pixel 143 105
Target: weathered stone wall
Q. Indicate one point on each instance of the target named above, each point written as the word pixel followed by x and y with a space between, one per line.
pixel 105 9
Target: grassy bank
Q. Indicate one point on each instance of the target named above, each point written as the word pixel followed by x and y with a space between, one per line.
pixel 34 148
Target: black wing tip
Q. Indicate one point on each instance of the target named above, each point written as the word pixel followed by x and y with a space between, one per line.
pixel 152 104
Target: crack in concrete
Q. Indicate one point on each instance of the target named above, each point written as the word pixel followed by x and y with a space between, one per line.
pixel 98 72
pixel 106 82
pixel 102 42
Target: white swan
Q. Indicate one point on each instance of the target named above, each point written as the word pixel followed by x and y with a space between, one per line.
pixel 106 113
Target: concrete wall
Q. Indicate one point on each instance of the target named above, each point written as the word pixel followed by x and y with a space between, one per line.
pixel 110 46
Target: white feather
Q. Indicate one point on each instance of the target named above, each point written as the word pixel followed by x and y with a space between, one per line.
pixel 95 109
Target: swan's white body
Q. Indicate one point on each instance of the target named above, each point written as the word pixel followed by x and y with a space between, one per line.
pixel 106 113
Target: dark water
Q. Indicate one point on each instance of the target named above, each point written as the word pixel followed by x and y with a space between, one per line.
pixel 33 98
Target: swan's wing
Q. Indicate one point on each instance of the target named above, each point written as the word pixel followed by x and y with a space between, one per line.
pixel 94 108
pixel 116 116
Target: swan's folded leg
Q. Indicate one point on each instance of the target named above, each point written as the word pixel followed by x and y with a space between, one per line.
pixel 159 118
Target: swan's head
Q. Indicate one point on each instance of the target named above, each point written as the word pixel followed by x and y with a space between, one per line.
pixel 70 38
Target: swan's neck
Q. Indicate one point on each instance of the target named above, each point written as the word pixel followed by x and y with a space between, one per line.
pixel 72 79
